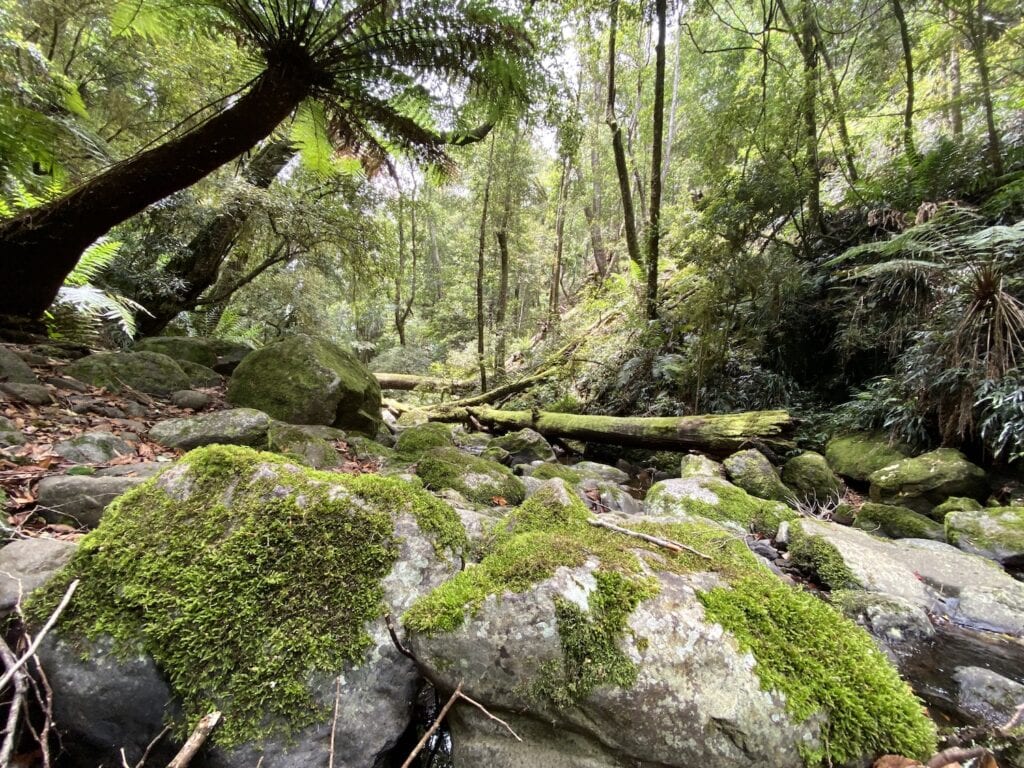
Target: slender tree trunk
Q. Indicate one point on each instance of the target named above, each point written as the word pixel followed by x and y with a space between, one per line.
pixel 41 246
pixel 197 268
pixel 657 139
pixel 556 267
pixel 956 108
pixel 909 147
pixel 979 49
pixel 837 107
pixel 673 102
pixel 480 264
pixel 618 148
pixel 501 332
pixel 400 316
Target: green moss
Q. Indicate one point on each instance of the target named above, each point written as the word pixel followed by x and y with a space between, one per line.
pixel 994 529
pixel 308 448
pixel 479 480
pixel 955 504
pixel 817 556
pixel 148 372
pixel 897 522
pixel 823 662
pixel 549 470
pixel 752 472
pixel 730 504
pixel 859 454
pixel 216 586
pixel 414 441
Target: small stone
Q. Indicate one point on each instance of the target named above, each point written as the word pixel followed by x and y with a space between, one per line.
pixel 67 383
pixel 33 394
pixel 237 426
pixel 13 369
pixel 10 435
pixel 190 398
pixel 26 564
pixel 93 448
pixel 81 500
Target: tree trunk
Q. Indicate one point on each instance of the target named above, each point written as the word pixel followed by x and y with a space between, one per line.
pixel 979 49
pixel 41 246
pixel 809 51
pixel 657 134
pixel 556 267
pixel 956 108
pixel 407 382
pixel 618 148
pixel 717 434
pixel 501 311
pixel 909 147
pixel 198 267
pixel 837 106
pixel 480 264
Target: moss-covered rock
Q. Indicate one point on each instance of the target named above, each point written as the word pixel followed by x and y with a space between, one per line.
pixel 549 470
pixel 897 523
pixel 993 532
pixel 190 348
pixel 479 480
pixel 200 376
pixel 926 481
pixel 819 557
pixel 954 504
pixel 253 582
pixel 715 499
pixel 810 476
pixel 638 651
pixel 752 472
pixel 415 441
pixel 235 426
pixel 304 444
pixel 148 372
pixel 306 380
pixel 524 446
pixel 698 465
pixel 857 455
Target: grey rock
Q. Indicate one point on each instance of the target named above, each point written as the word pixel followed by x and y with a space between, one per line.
pixel 190 398
pixel 33 394
pixel 10 435
pixel 698 465
pixel 610 497
pixel 81 499
pixel 890 619
pixel 27 564
pixel 993 532
pixel 201 376
pixel 141 469
pixel 237 426
pixel 524 446
pixel 988 696
pixel 93 448
pixel 67 383
pixel 148 372
pixel 601 472
pixel 193 349
pixel 13 369
pixel 752 472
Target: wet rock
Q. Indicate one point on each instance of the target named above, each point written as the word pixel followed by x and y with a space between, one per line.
pixel 305 380
pixel 993 532
pixel 608 497
pixel 988 696
pixel 925 481
pixel 81 500
pixel 190 348
pixel 525 446
pixel 236 426
pixel 190 398
pixel 147 372
pixel 890 619
pixel 752 472
pixel 93 448
pixel 857 455
pixel 27 564
pixel 33 394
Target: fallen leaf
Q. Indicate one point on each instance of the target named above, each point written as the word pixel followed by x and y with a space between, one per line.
pixel 895 761
pixel 499 501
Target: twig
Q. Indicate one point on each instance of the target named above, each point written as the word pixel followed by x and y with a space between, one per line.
pixel 334 720
pixel 42 633
pixel 433 726
pixel 14 712
pixel 394 639
pixel 483 709
pixel 44 700
pixel 151 745
pixel 196 740
pixel 1009 725
pixel 956 755
pixel 673 546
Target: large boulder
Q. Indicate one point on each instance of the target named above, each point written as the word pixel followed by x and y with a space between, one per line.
pixel 856 456
pixel 479 480
pixel 417 440
pixel 305 443
pixel 925 481
pixel 811 477
pixel 93 448
pixel 235 426
pixel 229 355
pixel 258 587
pixel 148 372
pixel 607 655
pixel 752 472
pixel 190 348
pixel 897 522
pixel 306 380
pixel 935 576
pixel 994 532
pixel 81 499
pixel 709 496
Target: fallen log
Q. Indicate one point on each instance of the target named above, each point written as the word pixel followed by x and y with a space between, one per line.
pixel 498 393
pixel 716 434
pixel 408 381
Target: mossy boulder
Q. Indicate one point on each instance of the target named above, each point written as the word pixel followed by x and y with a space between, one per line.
pixel 592 646
pixel 892 620
pixel 524 446
pixel 235 426
pixel 897 522
pixel 303 443
pixel 857 455
pixel 254 584
pixel 307 380
pixel 190 348
pixel 993 532
pixel 698 465
pixel 715 499
pixel 752 472
pixel 925 481
pixel 93 448
pixel 200 376
pixel 13 369
pixel 479 480
pixel 955 504
pixel 149 372
pixel 414 441
pixel 810 476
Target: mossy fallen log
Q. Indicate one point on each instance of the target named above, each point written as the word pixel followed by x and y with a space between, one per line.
pixel 717 434
pixel 407 381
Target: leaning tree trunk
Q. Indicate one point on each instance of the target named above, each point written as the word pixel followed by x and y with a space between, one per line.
pixel 979 49
pixel 809 51
pixel 197 268
pixel 40 247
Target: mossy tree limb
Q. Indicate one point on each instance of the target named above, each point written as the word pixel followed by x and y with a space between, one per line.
pixel 718 434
